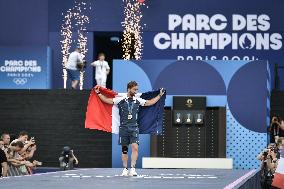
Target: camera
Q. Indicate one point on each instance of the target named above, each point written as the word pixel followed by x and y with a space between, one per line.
pixel 265 153
pixel 81 65
pixel 66 152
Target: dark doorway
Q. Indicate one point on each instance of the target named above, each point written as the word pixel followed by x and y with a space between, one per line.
pixel 108 43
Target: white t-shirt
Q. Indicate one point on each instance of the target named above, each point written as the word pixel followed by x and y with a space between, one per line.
pixel 74 58
pixel 101 68
pixel 141 101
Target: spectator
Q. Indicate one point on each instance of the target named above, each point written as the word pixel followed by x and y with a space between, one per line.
pixel 23 137
pixel 2 144
pixel 269 158
pixel 278 180
pixel 281 132
pixel 3 161
pixel 15 160
pixel 27 155
pixel 6 139
pixel 27 152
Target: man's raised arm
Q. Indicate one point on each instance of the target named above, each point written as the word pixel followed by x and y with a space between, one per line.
pixel 104 98
pixel 155 99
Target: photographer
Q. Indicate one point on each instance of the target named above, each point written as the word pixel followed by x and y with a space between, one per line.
pixel 67 159
pixel 268 158
pixel 75 59
pixel 276 129
pixel 278 180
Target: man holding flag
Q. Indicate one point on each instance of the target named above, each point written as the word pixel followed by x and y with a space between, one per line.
pixel 128 130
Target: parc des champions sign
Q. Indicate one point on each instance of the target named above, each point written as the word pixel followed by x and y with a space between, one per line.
pixel 249 32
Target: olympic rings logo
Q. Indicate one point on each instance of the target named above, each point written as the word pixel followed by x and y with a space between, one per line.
pixel 20 81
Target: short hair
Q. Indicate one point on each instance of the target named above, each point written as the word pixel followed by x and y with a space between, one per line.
pixel 23 133
pixel 101 54
pixel 2 136
pixel 18 143
pixel 131 84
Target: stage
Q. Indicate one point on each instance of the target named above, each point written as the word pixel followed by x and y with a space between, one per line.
pixel 147 178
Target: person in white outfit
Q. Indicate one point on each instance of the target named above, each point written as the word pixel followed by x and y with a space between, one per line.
pixel 102 70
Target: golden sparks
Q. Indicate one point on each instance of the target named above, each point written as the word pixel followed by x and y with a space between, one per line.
pixel 132 30
pixel 74 14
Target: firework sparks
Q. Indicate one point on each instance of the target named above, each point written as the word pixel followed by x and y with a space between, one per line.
pixel 75 14
pixel 132 29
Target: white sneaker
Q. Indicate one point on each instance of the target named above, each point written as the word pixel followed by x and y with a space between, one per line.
pixel 132 172
pixel 124 172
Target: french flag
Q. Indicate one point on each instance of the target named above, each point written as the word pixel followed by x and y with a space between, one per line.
pixel 105 117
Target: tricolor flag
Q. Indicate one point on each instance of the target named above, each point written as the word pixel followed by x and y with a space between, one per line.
pixel 105 117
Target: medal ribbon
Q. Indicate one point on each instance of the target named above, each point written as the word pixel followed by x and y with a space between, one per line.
pixel 130 106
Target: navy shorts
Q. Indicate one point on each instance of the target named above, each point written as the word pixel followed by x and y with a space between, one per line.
pixel 128 135
pixel 73 74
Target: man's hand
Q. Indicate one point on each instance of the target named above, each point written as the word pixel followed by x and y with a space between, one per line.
pixel 23 162
pixel 76 160
pixel 102 97
pixel 31 142
pixel 97 89
pixel 154 100
pixel 33 148
pixel 162 91
pixel 20 158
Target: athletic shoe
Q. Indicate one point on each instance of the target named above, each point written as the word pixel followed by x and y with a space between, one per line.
pixel 132 172
pixel 124 172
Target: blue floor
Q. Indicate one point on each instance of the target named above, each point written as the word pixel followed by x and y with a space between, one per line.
pixel 146 179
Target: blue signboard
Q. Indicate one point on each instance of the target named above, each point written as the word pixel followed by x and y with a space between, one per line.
pixel 25 68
